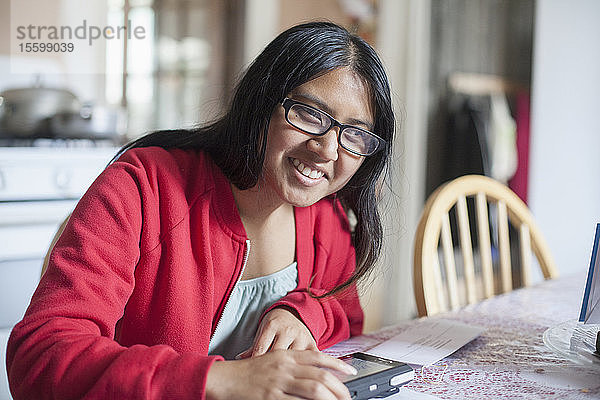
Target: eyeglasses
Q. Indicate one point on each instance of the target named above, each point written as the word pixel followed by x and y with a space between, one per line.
pixel 316 122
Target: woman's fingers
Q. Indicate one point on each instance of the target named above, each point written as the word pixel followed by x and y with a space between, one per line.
pixel 280 329
pixel 324 361
pixel 312 389
pixel 244 354
pixel 303 345
pixel 278 375
pixel 282 342
pixel 315 382
pixel 263 340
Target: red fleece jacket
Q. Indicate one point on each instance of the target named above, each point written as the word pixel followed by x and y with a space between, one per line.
pixel 138 281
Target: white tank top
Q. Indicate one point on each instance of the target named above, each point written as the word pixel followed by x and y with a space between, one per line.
pixel 249 299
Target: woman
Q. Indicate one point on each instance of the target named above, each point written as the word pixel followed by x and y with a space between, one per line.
pixel 226 242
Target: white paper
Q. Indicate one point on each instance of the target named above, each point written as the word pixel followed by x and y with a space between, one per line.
pixel 407 394
pixel 427 341
pixel 352 345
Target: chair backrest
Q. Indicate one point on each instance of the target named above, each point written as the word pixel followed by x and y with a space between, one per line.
pixel 59 232
pixel 496 208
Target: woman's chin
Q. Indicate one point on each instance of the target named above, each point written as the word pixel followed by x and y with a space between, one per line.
pixel 301 199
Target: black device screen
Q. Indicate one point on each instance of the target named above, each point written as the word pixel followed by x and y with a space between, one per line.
pixel 365 364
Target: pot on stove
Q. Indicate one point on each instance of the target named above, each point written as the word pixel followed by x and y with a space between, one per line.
pixel 22 110
pixel 45 112
pixel 89 122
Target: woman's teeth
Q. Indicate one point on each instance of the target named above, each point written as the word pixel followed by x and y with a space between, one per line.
pixel 306 171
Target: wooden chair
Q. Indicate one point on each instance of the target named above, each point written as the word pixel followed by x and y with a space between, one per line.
pixel 438 290
pixel 59 232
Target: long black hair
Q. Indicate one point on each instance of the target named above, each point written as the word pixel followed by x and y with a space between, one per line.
pixel 237 141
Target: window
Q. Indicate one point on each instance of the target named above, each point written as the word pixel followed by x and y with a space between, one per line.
pixel 177 77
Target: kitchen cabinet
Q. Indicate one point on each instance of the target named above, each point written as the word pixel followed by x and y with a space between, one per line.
pixel 39 187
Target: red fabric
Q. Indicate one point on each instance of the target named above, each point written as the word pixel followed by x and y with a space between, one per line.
pixel 518 183
pixel 138 281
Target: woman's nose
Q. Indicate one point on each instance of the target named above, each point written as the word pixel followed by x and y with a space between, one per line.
pixel 326 146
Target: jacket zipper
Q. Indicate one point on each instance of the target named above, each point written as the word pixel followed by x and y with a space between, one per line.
pixel 244 262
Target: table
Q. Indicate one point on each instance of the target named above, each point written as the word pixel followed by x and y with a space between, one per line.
pixel 509 360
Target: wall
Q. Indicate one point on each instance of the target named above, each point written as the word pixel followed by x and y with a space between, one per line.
pixel 471 36
pixel 565 166
pixel 88 87
pixel 403 42
pixel 4 26
pixel 8 80
pixel 294 12
pixel 261 26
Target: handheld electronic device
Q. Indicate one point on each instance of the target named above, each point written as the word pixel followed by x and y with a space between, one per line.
pixel 377 376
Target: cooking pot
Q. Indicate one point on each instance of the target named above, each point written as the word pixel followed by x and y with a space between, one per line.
pixel 90 122
pixel 22 110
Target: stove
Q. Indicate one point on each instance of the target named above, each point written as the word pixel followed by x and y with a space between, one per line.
pixel 57 142
pixel 41 181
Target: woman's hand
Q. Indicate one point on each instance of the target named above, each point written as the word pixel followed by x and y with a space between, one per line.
pixel 280 374
pixel 280 329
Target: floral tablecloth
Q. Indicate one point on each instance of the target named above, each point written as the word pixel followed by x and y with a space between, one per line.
pixel 509 359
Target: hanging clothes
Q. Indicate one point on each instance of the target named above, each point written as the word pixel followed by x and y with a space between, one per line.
pixel 465 148
pixel 518 183
pixel 502 141
pixel 480 137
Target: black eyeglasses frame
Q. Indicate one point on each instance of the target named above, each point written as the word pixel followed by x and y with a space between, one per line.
pixel 288 103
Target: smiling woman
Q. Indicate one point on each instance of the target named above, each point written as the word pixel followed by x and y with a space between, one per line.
pixel 205 262
pixel 341 91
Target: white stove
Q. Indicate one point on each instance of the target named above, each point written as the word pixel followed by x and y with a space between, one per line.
pixel 41 181
pixel 39 187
